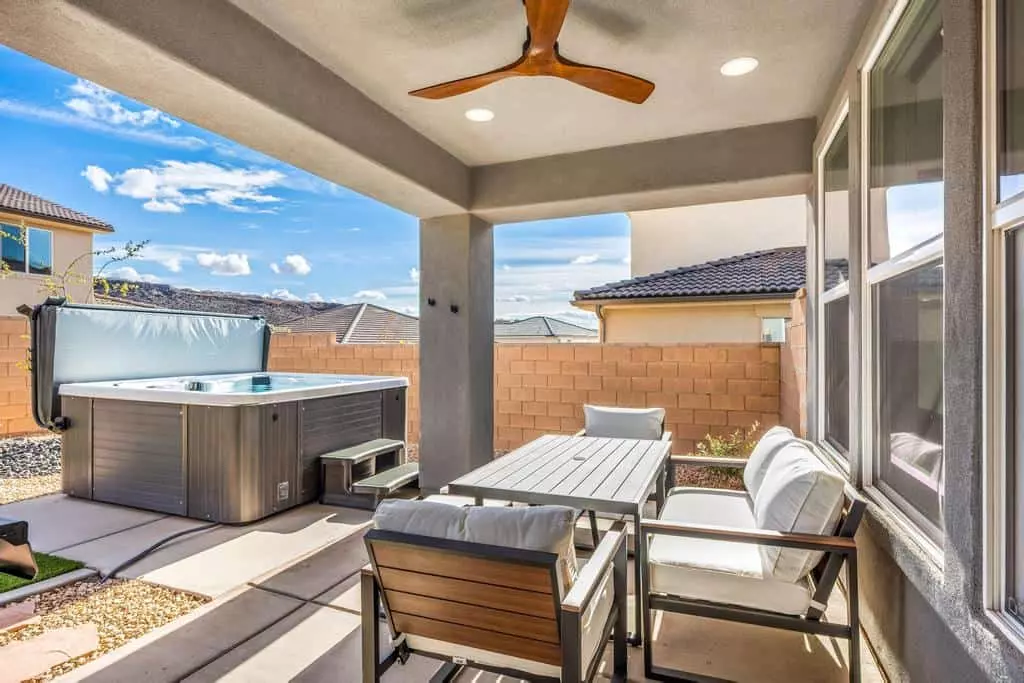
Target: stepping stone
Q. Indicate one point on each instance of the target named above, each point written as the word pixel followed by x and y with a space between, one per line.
pixel 17 616
pixel 29 658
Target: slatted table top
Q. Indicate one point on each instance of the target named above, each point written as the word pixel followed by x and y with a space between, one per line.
pixel 606 475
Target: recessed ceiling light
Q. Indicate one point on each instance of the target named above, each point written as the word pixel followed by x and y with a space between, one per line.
pixel 479 115
pixel 739 66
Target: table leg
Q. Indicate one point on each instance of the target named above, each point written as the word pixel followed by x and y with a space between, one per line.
pixel 639 558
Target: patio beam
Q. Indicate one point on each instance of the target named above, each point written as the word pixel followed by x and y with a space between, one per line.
pixel 215 66
pixel 743 163
pixel 456 347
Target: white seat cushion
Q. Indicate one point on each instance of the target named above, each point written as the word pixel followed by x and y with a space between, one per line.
pixel 718 571
pixel 548 528
pixel 761 457
pixel 798 494
pixel 624 423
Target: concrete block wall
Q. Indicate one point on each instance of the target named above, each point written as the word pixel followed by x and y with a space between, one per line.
pixel 794 368
pixel 541 388
pixel 15 406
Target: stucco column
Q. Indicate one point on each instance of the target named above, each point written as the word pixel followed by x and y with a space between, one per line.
pixel 456 347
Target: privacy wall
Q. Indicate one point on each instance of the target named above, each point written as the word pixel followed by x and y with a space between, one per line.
pixel 15 409
pixel 541 388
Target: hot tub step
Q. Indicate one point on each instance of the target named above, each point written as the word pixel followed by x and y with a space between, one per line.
pixel 388 481
pixel 364 451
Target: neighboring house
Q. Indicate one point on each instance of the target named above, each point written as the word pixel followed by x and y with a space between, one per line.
pixel 361 324
pixel 742 298
pixel 661 239
pixel 38 239
pixel 541 328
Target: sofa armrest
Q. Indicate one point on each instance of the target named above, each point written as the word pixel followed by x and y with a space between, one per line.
pixel 666 436
pixel 700 461
pixel 837 544
pixel 584 588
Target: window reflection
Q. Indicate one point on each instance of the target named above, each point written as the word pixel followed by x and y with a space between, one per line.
pixel 1011 98
pixel 905 192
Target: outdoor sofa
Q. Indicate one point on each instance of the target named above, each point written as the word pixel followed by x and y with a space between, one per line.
pixel 769 555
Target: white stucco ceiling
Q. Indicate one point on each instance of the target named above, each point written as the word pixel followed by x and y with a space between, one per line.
pixel 387 47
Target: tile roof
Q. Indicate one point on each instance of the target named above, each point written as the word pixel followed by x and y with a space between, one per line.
pixel 540 326
pixel 26 204
pixel 361 324
pixel 771 271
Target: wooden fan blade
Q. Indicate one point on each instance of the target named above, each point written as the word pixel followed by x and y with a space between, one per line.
pixel 606 81
pixel 468 84
pixel 545 19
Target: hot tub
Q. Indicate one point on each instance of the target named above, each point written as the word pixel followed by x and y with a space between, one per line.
pixel 232 446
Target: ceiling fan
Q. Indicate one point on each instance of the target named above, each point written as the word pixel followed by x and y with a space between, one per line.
pixel 544 20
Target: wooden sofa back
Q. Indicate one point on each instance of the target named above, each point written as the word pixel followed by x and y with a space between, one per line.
pixel 503 600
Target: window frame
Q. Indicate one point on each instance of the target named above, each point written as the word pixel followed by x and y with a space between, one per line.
pixel 1000 220
pixel 896 507
pixel 26 232
pixel 824 297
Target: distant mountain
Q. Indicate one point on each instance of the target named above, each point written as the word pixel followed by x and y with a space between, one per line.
pixel 275 311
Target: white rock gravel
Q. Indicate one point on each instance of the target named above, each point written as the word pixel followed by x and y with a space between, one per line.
pixel 29 456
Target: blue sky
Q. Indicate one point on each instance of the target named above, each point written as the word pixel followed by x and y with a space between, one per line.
pixel 222 216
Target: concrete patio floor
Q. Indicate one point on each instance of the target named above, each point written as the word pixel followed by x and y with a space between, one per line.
pixel 286 604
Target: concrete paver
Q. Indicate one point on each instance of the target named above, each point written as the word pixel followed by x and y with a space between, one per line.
pixel 215 562
pixel 318 573
pixel 56 522
pixel 106 553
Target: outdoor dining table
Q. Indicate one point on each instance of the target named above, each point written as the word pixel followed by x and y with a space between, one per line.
pixel 610 475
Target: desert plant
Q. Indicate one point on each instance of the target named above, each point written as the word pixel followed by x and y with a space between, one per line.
pixel 738 444
pixel 60 284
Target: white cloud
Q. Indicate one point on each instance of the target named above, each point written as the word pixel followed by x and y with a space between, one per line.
pixel 130 274
pixel 292 264
pixel 627 259
pixel 314 297
pixel 284 294
pixel 517 298
pixel 97 177
pixel 414 274
pixel 57 117
pixel 96 102
pixel 172 185
pixel 373 294
pixel 224 264
pixel 585 259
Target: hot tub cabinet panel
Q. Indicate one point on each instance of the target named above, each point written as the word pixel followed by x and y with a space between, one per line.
pixel 230 464
pixel 242 461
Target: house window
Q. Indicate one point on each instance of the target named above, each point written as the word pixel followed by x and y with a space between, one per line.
pixel 905 276
pixel 1010 107
pixel 835 271
pixel 26 250
pixel 773 329
pixel 1007 221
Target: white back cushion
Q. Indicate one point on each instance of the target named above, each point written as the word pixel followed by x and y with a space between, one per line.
pixel 548 528
pixel 761 457
pixel 624 423
pixel 800 495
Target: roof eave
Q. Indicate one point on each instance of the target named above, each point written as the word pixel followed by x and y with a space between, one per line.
pixel 640 300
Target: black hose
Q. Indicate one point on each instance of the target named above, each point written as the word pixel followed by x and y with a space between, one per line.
pixel 132 560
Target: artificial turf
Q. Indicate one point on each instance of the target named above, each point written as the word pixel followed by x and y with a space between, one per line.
pixel 49 567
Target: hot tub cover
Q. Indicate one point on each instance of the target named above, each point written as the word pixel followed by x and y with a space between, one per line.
pixel 92 343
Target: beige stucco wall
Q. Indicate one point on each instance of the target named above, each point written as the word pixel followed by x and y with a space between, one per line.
pixel 22 288
pixel 734 322
pixel 663 239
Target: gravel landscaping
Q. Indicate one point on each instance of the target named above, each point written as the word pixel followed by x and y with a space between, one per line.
pixel 29 467
pixel 25 457
pixel 121 609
